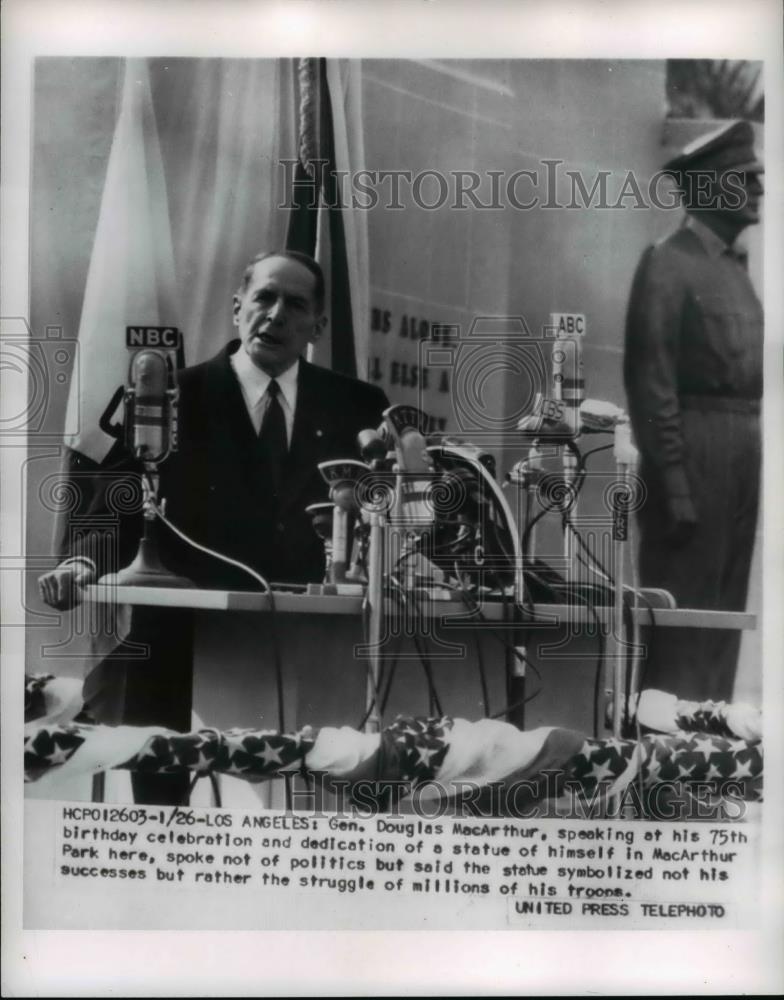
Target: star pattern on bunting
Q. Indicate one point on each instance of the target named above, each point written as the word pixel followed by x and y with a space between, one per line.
pixel 269 755
pixel 599 762
pixel 50 747
pixel 414 749
pixel 420 746
pixel 704 745
pixel 706 717
pixel 651 767
pixel 600 772
pixel 713 773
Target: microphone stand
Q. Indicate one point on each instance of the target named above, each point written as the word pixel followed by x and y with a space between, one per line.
pixel 147 570
pixel 530 479
pixel 375 603
pixel 625 460
pixel 151 399
pixel 340 545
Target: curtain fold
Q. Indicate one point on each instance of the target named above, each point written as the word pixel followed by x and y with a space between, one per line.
pixel 131 278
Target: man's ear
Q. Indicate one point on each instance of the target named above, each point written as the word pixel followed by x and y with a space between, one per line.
pixel 236 304
pixel 318 328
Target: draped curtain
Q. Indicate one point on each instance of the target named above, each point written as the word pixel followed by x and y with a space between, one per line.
pixel 222 126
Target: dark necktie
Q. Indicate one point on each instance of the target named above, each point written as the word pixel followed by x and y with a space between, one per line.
pixel 272 435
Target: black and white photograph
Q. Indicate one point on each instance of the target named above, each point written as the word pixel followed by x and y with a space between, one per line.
pixel 391 466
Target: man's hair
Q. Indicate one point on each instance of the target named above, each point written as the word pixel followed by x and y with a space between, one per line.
pixel 301 258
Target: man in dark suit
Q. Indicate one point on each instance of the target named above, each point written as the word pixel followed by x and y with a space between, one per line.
pixel 693 370
pixel 254 422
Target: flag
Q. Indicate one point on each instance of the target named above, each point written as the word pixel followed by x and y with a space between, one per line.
pixel 130 281
pixel 441 756
pixel 322 221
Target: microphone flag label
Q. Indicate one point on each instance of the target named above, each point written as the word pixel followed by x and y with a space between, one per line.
pixel 167 337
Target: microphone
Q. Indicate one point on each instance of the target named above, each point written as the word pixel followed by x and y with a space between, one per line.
pixel 568 377
pixel 151 407
pixel 373 446
pixel 398 447
pixel 150 436
pixel 404 428
pixel 344 478
pixel 557 417
pixel 597 415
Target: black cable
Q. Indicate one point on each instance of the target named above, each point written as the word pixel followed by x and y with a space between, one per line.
pixel 477 646
pixel 511 706
pixel 213 782
pixel 638 729
pixel 627 609
pixel 508 663
pixel 577 486
pixel 600 654
pixel 216 794
pixel 478 650
pixel 582 460
pixel 594 451
pixel 592 556
pixel 375 699
pixel 572 446
pixel 366 636
pixel 589 605
pixel 600 634
pixel 382 701
pixel 275 639
pixel 580 479
pixel 421 647
pixel 628 612
pixel 510 646
pixel 390 678
pixel 480 662
pixel 434 700
pixel 476 610
pixel 582 466
pixel 546 509
pixel 653 625
pixel 521 657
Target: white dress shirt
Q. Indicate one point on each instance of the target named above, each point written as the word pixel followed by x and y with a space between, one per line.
pixel 254 383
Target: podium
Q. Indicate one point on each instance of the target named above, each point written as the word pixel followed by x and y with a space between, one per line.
pixel 325 677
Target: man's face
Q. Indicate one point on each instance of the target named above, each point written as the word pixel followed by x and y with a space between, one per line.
pixel 750 183
pixel 734 196
pixel 276 315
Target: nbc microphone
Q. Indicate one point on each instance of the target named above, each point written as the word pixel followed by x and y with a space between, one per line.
pixel 150 407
